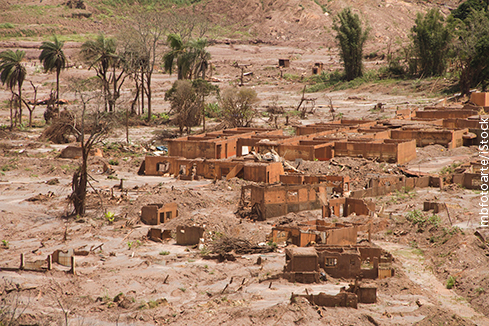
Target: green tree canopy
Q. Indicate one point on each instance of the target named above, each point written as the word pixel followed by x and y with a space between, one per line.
pixel 431 40
pixel 472 48
pixel 186 104
pixel 351 38
pixel 191 58
pixel 466 7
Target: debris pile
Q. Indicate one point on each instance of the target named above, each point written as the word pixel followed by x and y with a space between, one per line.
pixel 226 244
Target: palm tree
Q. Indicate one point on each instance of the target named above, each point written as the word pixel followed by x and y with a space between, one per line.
pixel 53 58
pixel 177 55
pixel 101 54
pixel 13 73
pixel 191 58
pixel 200 57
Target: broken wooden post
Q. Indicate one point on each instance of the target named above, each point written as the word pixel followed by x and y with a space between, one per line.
pixel 166 278
pixel 50 262
pixel 224 288
pixel 22 262
pixel 73 265
pixel 448 214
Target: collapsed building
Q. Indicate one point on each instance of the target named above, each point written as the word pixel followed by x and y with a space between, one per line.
pixel 352 261
pixel 362 261
pixel 158 213
pixel 193 169
pixel 319 232
pixel 395 141
pixel 469 175
pixel 214 145
pixel 266 201
pixel 347 297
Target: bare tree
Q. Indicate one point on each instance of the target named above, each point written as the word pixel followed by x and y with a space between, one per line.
pixel 33 103
pixel 144 36
pixel 90 127
pixel 188 25
pixel 303 103
pixel 12 306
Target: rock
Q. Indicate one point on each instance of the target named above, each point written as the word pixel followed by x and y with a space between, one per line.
pixel 126 303
pixel 162 302
pixel 71 152
pixel 120 297
pixel 52 182
pixel 422 302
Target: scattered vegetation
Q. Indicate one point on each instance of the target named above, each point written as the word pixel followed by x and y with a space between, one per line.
pixel 5 244
pixel 109 216
pixel 7 25
pixel 113 162
pixel 164 253
pixel 133 244
pixel 416 217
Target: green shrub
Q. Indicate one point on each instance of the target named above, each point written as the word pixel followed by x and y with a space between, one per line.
pixel 7 25
pixel 416 217
pixel 212 110
pixel 451 282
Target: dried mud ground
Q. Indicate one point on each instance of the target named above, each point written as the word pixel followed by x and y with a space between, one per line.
pixel 35 184
pixel 195 290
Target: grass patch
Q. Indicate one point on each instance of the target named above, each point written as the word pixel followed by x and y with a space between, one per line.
pixel 324 8
pixel 164 253
pixel 336 81
pixel 291 77
pixel 8 167
pixel 150 4
pixel 449 169
pixel 401 195
pixel 451 282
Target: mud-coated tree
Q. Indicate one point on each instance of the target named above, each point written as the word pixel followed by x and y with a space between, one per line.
pixel 53 58
pixel 351 37
pixel 186 104
pixel 13 73
pixel 97 126
pixel 238 106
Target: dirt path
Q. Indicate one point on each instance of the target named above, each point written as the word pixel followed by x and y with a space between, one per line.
pixel 413 264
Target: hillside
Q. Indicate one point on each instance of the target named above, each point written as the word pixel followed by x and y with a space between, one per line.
pixel 275 21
